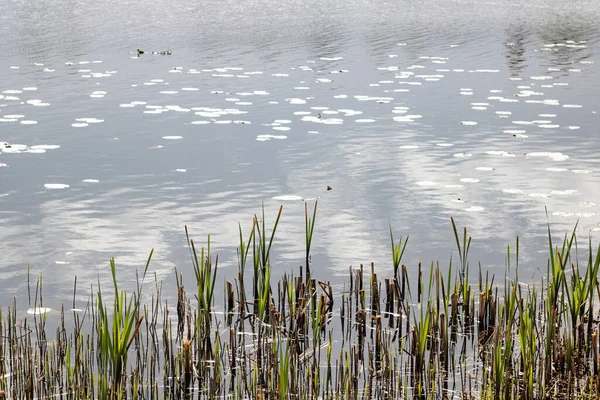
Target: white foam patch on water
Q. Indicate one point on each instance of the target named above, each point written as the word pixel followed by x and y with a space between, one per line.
pixel 581 171
pixel 190 89
pixel 484 168
pixel 512 191
pixel 90 120
pixel 79 125
pixel 573 127
pixel 551 102
pixel 264 138
pixel 14 116
pixel 326 121
pixel 200 122
pixel 547 115
pixel 174 137
pixel 350 113
pixel 555 156
pixel 548 126
pixel 461 155
pixel 38 310
pixel 454 186
pixel 444 144
pixel 283 121
pixel 56 186
pixel 28 122
pixel 469 180
pixel 181 170
pixel 556 169
pixel 13 148
pixel 409 147
pixel 296 101
pixel 281 128
pixel 90 181
pixel 539 195
pixel 468 123
pixel 499 153
pixel 572 106
pixel 223 121
pixel 563 214
pixel 287 197
pixel 563 192
pixel 364 120
pixel 426 183
pixel 403 118
pixel 340 96
pixel 479 108
pixel 168 92
pixel 514 131
pixel 474 209
pixel 35 102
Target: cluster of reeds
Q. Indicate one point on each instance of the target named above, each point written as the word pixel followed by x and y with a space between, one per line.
pixel 435 334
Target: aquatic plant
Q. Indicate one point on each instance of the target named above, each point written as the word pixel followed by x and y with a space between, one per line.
pixel 438 334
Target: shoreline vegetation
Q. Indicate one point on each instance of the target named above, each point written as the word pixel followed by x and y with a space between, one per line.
pixel 436 335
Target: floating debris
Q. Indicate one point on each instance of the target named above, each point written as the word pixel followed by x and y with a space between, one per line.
pixel 287 197
pixel 56 186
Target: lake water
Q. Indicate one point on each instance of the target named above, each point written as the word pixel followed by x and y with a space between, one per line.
pixel 412 111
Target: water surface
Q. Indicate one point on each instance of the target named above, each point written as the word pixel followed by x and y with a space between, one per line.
pixel 412 112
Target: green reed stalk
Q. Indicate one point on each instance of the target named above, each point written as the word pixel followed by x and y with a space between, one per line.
pixel 397 251
pixel 115 336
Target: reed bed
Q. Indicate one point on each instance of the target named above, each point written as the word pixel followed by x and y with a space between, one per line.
pixel 436 335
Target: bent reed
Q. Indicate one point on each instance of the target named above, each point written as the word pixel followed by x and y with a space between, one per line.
pixel 436 335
